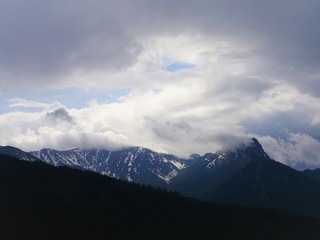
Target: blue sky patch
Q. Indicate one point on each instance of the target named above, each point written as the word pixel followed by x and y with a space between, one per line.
pixel 178 66
pixel 70 97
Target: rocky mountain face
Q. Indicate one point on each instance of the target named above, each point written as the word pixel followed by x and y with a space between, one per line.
pixel 212 169
pixel 248 176
pixel 17 153
pixel 135 164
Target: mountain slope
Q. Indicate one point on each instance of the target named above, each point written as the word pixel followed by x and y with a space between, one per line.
pixel 18 153
pixel 136 164
pixel 273 185
pixel 314 174
pixel 39 201
pixel 212 169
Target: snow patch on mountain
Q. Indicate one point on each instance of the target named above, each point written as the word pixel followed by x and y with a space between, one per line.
pixel 135 164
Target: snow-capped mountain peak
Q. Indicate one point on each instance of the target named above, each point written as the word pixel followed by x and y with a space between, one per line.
pixel 244 153
pixel 135 164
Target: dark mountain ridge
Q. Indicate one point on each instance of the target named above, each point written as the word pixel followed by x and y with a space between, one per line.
pixel 39 201
pixel 18 153
pixel 212 169
pixel 270 184
pixel 248 176
pixel 314 174
pixel 245 176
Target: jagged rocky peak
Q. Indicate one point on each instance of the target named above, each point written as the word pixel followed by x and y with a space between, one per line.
pixel 249 150
pixel 254 143
pixel 253 149
pixel 239 146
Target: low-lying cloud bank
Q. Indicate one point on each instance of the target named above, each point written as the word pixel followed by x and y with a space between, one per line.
pixel 161 121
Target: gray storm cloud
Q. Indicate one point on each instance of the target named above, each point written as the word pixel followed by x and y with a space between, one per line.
pixel 43 42
pixel 256 73
pixel 60 114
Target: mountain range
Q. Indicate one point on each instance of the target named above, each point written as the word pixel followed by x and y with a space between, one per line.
pixel 244 176
pixel 134 164
pixel 39 201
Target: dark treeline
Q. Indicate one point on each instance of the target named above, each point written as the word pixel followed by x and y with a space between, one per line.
pixel 38 201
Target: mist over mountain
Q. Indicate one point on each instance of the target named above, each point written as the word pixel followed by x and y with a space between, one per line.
pixel 212 169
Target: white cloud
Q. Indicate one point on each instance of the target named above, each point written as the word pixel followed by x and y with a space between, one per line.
pixel 298 150
pixel 23 103
pixel 180 118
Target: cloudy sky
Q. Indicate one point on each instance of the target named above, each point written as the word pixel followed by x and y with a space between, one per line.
pixel 180 76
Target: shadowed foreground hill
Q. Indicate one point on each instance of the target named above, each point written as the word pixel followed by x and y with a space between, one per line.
pixel 38 201
pixel 270 184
